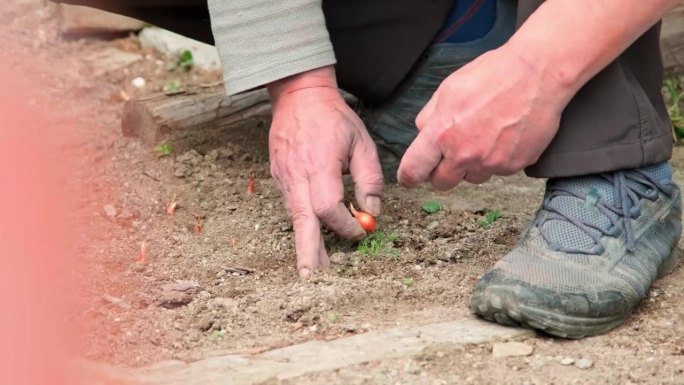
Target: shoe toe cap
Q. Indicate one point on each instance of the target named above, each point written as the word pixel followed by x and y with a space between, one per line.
pixel 511 301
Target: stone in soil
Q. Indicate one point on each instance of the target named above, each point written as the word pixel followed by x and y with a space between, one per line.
pixel 511 349
pixel 110 211
pixel 584 363
pixel 178 294
pixel 567 361
pixel 173 45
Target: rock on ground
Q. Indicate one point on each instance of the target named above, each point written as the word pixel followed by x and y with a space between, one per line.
pixel 511 349
pixel 173 45
pixel 584 363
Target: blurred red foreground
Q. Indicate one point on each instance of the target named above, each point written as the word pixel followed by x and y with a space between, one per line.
pixel 34 265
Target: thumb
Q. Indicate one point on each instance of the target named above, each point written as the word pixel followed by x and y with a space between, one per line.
pixel 364 167
pixel 426 112
pixel 419 160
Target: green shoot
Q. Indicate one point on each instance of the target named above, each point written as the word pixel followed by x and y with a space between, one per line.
pixel 378 243
pixel 408 282
pixel 672 86
pixel 186 61
pixel 489 218
pixel 332 318
pixel 432 207
pixel 173 86
pixel 163 149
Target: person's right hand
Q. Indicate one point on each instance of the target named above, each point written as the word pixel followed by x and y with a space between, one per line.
pixel 314 138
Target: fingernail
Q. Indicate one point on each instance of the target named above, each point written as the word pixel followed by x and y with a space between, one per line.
pixel 304 272
pixel 373 205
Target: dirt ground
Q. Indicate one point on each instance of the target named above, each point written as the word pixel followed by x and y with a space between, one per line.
pixel 232 287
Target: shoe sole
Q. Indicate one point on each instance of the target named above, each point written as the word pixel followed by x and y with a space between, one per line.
pixel 499 304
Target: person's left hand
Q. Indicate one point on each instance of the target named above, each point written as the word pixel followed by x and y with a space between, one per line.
pixel 494 116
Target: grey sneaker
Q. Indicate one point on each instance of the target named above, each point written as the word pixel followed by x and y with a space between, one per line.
pixel 590 255
pixel 392 125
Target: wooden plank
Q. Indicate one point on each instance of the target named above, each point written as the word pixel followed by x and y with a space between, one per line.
pixel 76 19
pixel 191 118
pixel 185 119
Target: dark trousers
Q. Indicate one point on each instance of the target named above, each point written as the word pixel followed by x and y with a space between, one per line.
pixel 618 120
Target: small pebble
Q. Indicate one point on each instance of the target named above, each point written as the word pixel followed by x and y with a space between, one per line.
pixel 584 363
pixel 110 211
pixel 567 361
pixel 138 82
pixel 511 349
pixel 433 225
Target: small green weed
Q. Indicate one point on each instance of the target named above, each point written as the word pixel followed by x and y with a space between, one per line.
pixel 185 61
pixel 218 333
pixel 378 243
pixel 408 282
pixel 332 318
pixel 674 90
pixel 432 207
pixel 163 149
pixel 489 218
pixel 173 86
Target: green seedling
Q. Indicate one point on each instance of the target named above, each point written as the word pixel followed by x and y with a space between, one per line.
pixel 672 86
pixel 408 282
pixel 185 61
pixel 173 86
pixel 378 243
pixel 163 149
pixel 489 218
pixel 218 333
pixel 432 207
pixel 333 318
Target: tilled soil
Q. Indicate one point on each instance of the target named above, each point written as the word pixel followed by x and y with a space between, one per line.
pixel 219 274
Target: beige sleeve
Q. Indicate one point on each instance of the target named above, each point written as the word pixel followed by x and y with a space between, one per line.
pixel 260 41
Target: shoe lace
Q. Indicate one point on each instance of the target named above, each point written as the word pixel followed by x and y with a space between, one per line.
pixel 628 186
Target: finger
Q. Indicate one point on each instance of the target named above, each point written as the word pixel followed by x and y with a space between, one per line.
pixel 447 175
pixel 477 177
pixel 426 112
pixel 323 260
pixel 327 192
pixel 307 228
pixel 419 160
pixel 364 167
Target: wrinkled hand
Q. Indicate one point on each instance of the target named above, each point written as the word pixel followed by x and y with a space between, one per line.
pixel 315 138
pixel 494 116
